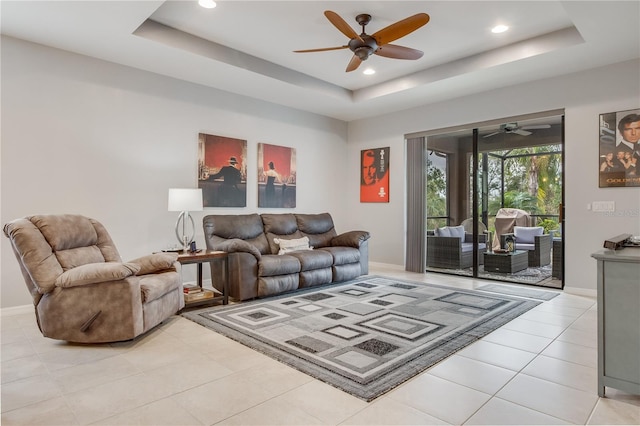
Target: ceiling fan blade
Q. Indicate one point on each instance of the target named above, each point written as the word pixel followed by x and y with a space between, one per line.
pixel 400 28
pixel 520 132
pixel 354 63
pixel 538 126
pixel 341 25
pixel 324 49
pixel 398 52
pixel 491 134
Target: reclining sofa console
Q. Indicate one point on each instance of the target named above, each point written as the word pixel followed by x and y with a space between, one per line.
pixel 271 254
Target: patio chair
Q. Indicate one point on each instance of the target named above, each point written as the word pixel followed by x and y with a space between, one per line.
pixel 534 241
pixel 452 248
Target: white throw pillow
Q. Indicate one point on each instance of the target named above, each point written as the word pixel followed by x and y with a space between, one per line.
pixel 443 232
pixel 287 246
pixel 527 234
pixel 457 231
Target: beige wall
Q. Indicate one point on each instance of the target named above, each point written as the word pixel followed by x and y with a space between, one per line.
pixel 583 96
pixel 86 136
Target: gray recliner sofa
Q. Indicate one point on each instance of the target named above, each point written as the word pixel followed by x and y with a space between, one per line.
pixel 257 270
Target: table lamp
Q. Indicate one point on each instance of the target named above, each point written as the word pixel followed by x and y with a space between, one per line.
pixel 184 200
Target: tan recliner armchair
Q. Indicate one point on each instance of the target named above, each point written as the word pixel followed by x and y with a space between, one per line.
pixel 81 289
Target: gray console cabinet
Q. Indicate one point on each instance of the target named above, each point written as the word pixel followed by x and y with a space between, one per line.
pixel 618 320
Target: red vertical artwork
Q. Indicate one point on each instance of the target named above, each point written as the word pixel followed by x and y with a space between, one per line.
pixel 374 175
pixel 276 176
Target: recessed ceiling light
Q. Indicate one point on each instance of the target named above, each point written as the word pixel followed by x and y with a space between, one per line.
pixel 369 71
pixel 208 4
pixel 499 29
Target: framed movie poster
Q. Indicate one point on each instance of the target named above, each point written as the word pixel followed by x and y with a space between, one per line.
pixel 276 176
pixel 619 153
pixel 222 171
pixel 374 175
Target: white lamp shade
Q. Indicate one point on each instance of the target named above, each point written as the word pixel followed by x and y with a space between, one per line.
pixel 185 199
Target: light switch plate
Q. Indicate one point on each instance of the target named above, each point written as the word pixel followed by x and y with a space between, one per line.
pixel 603 206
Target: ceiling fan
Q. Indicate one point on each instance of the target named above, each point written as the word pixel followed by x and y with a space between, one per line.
pixel 514 128
pixel 365 45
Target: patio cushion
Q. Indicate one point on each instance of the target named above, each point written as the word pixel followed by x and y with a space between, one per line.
pixel 527 234
pixel 451 231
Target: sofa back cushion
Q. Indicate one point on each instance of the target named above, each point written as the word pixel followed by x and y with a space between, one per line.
pixel 451 231
pixel 318 227
pixel 279 226
pixel 527 234
pixel 245 227
pixel 48 245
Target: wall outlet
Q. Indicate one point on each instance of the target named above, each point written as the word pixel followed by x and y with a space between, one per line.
pixel 603 206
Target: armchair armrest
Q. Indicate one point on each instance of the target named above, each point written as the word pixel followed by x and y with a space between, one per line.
pixel 350 239
pixel 94 273
pixel 468 238
pixel 237 245
pixel 156 262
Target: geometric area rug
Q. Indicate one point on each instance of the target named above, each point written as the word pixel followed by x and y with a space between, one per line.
pixel 365 336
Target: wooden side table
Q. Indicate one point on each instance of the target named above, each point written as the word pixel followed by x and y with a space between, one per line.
pixel 186 258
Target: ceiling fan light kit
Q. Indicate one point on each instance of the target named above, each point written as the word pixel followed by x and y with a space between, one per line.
pixel 364 45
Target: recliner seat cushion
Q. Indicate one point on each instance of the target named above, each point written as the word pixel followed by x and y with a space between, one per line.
pixel 313 259
pixel 155 286
pixel 343 255
pixel 271 265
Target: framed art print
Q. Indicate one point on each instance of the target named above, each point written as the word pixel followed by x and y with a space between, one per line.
pixel 619 149
pixel 222 171
pixel 276 176
pixel 374 175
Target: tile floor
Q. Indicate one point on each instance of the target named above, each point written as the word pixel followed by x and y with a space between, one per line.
pixel 538 369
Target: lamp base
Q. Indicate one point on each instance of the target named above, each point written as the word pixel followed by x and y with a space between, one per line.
pixel 184 238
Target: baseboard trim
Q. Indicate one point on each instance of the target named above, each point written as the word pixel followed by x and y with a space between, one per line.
pixel 16 310
pixel 581 291
pixel 387 265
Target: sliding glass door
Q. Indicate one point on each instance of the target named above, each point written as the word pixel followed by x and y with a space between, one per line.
pixel 499 189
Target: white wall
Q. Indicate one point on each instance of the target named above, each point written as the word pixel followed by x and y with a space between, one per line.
pixel 85 136
pixel 583 95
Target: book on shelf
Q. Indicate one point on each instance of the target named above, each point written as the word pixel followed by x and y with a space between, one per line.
pixel 191 288
pixel 201 295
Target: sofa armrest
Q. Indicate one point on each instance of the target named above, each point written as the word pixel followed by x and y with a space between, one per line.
pixel 94 273
pixel 350 239
pixel 234 245
pixel 156 262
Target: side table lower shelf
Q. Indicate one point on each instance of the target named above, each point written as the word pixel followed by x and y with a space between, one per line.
pixel 198 258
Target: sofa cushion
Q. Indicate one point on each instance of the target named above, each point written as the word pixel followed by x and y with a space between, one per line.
pixel 343 255
pixel 287 246
pixel 271 265
pixel 451 231
pixel 249 228
pixel 313 259
pixel 442 232
pixel 318 227
pixel 525 246
pixel 527 234
pixel 155 286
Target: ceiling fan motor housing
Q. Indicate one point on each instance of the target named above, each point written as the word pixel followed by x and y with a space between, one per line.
pixel 365 48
